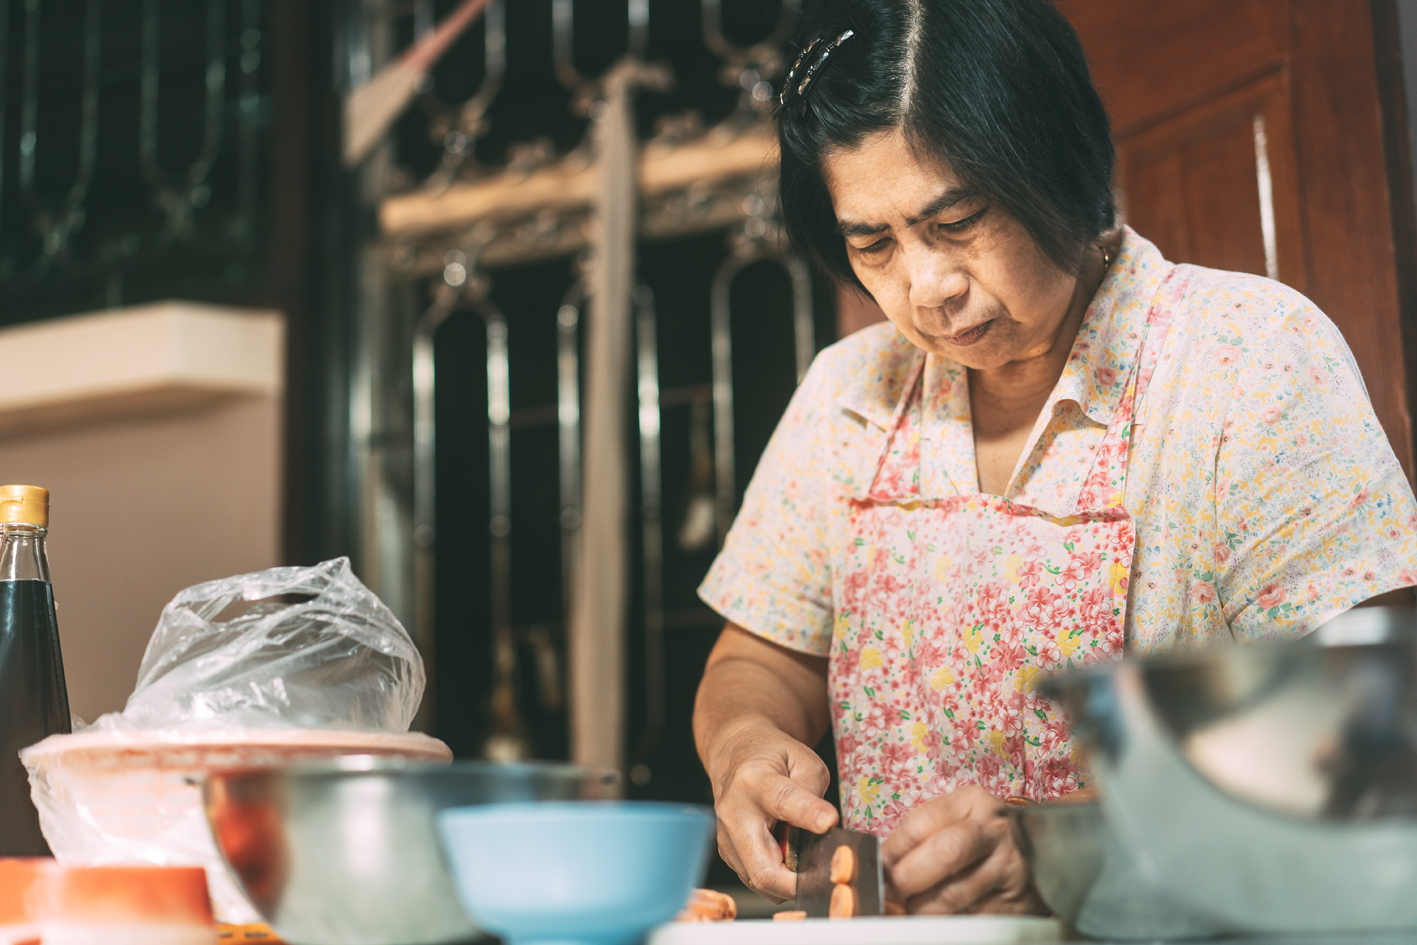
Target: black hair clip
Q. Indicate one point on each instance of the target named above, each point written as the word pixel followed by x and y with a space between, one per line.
pixel 798 84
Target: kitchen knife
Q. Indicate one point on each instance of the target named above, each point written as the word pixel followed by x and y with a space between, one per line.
pixel 809 855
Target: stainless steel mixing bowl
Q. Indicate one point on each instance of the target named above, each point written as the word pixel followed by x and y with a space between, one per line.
pixel 346 852
pixel 1266 788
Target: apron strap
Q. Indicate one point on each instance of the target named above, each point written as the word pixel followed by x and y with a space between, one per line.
pixel 909 401
pixel 1106 482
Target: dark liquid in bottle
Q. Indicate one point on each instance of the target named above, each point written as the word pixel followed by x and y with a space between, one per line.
pixel 33 704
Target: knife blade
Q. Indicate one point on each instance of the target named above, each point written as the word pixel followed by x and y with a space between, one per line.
pixel 809 855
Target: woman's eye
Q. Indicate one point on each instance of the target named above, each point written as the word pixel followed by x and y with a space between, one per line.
pixel 874 248
pixel 959 226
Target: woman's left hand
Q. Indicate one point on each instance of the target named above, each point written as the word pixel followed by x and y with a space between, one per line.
pixel 958 853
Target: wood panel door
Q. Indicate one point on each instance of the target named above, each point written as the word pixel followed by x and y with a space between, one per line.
pixel 1266 136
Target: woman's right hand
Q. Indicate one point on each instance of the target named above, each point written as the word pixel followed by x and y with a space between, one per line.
pixel 761 776
pixel 758 708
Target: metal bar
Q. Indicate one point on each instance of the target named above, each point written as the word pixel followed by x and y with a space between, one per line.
pixel 147 96
pixel 494 46
pixel 215 78
pixel 639 28
pixel 804 326
pixel 507 740
pixel 179 201
pixel 425 419
pixel 462 287
pixel 247 128
pixel 721 343
pixel 380 522
pixel 563 45
pixel 721 332
pixel 459 140
pixel 88 126
pixel 568 422
pixel 29 98
pixel 499 413
pixel 425 482
pixel 57 225
pixel 652 531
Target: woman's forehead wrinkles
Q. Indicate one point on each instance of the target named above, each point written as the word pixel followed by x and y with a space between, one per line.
pixel 949 199
pixel 849 228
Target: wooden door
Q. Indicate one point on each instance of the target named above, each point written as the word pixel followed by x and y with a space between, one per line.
pixel 1258 135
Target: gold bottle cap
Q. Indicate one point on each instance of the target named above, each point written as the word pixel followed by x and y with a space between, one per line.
pixel 28 505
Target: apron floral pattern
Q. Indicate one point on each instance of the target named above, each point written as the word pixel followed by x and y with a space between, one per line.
pixel 949 611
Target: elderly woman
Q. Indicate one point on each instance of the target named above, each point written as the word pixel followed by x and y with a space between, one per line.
pixel 1061 448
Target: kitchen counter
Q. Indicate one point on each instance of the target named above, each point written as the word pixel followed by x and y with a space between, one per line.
pixel 951 930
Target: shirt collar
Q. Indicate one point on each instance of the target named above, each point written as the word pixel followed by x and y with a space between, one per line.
pixel 1109 339
pixel 879 384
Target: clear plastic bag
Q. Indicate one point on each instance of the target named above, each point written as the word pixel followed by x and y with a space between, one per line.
pixel 309 647
pixel 280 666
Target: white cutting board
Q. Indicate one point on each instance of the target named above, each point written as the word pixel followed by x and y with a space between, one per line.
pixel 886 930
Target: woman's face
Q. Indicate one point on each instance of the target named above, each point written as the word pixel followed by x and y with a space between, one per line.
pixel 958 276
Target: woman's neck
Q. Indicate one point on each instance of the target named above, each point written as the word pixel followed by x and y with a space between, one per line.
pixel 1005 401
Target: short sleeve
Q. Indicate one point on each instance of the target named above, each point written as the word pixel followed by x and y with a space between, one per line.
pixel 1314 513
pixel 773 576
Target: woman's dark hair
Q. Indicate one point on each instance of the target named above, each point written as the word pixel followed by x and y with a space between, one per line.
pixel 998 90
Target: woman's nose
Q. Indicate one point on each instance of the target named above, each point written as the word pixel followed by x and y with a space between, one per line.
pixel 935 278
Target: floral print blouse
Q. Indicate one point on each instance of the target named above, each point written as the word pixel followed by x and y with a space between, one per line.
pixel 1266 497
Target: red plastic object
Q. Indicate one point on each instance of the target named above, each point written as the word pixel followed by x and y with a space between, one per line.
pixel 40 892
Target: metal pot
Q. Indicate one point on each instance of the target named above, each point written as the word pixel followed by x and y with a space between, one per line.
pixel 346 852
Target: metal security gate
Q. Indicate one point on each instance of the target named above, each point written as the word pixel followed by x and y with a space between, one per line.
pixel 594 335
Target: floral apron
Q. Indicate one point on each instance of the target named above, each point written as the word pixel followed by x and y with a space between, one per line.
pixel 949 611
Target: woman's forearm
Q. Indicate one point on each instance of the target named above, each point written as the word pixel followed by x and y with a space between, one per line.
pixel 759 707
pixel 751 682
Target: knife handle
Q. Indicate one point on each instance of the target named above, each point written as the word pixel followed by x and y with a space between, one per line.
pixel 789 841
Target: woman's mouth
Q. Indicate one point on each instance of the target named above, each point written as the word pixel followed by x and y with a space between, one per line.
pixel 973 336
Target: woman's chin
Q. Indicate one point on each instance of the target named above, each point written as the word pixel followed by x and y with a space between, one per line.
pixel 978 350
pixel 984 356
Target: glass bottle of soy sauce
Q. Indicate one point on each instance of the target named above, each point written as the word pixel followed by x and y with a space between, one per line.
pixel 34 702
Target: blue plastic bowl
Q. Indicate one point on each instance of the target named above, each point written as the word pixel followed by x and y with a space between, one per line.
pixel 575 872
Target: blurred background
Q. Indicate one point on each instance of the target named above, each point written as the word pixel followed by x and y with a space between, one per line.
pixel 230 343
